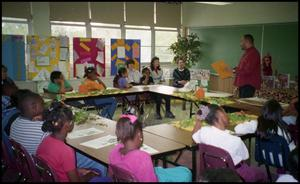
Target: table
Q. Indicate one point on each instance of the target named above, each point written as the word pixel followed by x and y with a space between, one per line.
pixel 184 137
pixel 163 145
pixel 142 89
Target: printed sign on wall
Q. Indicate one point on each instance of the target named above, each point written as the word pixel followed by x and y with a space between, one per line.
pixel 123 50
pixel 47 54
pixel 89 52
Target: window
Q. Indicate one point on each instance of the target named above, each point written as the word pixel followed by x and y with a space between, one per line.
pixel 14 26
pixel 145 37
pixel 163 40
pixel 107 34
pixel 70 31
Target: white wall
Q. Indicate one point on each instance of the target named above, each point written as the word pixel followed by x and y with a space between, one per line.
pixel 238 13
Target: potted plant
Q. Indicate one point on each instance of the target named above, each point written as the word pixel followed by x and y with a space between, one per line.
pixel 187 48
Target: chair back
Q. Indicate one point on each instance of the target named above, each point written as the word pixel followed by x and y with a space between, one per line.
pixel 8 117
pixel 213 157
pixel 294 131
pixel 45 172
pixel 24 162
pixel 121 175
pixel 272 151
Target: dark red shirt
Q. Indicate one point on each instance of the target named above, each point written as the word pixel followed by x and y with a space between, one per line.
pixel 248 71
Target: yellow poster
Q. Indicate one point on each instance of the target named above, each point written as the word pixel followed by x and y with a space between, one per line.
pixel 222 69
pixel 45 55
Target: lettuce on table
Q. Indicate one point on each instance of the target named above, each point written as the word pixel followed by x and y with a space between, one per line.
pixel 234 119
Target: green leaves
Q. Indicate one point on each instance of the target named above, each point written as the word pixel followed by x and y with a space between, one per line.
pixel 187 48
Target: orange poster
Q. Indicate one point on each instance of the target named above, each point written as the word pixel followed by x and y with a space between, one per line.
pixel 222 69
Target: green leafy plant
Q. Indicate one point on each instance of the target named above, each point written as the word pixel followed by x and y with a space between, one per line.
pixel 187 48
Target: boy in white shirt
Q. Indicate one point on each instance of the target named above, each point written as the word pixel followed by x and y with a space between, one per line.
pixel 134 76
pixel 217 135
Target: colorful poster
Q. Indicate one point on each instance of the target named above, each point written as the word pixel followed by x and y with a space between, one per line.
pixel 13 56
pixel 122 50
pixel 88 51
pixel 45 54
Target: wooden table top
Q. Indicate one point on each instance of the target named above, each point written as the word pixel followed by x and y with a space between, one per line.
pixel 172 133
pixel 161 144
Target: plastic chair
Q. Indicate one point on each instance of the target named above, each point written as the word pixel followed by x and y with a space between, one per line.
pixel 45 172
pixel 24 162
pixel 121 175
pixel 8 167
pixel 272 151
pixel 294 131
pixel 213 157
pixel 8 117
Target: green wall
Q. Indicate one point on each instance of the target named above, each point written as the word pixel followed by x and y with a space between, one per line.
pixel 280 40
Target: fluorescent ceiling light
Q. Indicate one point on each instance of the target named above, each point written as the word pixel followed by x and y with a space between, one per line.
pixel 215 3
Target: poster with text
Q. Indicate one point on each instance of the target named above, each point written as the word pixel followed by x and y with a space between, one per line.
pixel 47 54
pixel 88 52
pixel 13 56
pixel 123 50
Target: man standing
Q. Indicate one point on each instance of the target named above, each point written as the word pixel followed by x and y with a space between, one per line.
pixel 248 74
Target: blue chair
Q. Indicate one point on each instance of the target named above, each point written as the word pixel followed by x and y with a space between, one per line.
pixel 272 151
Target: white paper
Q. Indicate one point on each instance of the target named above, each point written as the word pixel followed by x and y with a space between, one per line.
pixel 218 94
pixel 64 54
pixel 42 75
pixel 42 61
pixel 100 43
pixel 100 142
pixel 121 52
pixel 148 149
pixel 32 68
pixel 44 49
pixel 99 70
pixel 64 41
pixel 75 56
pixel 79 70
pixel 53 54
pixel 200 74
pixel 100 57
pixel 84 133
pixel 189 86
pixel 204 83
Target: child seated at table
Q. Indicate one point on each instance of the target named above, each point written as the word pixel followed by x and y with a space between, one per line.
pixel 217 135
pixel 120 80
pixel 146 79
pixel 128 156
pixel 56 153
pixel 270 121
pixel 93 83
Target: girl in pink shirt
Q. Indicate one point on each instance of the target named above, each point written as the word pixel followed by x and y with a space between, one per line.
pixel 128 156
pixel 58 155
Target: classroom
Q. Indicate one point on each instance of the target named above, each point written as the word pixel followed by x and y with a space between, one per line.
pixel 165 91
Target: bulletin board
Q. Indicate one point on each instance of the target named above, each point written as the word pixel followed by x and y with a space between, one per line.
pixel 122 50
pixel 47 54
pixel 13 56
pixel 88 52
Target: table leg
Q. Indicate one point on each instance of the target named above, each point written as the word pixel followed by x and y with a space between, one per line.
pixel 164 162
pixel 191 109
pixel 194 164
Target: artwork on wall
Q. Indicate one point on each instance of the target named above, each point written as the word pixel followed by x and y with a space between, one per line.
pixel 222 69
pixel 89 52
pixel 122 50
pixel 283 80
pixel 47 54
pixel 268 81
pixel 13 57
